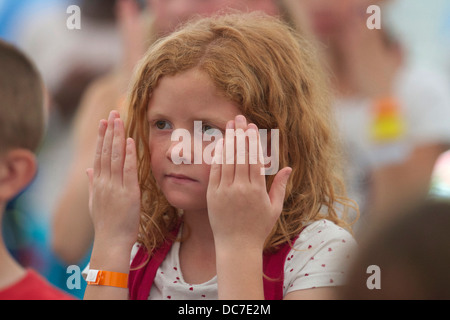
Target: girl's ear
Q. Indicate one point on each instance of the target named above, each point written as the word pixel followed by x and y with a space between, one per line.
pixel 17 168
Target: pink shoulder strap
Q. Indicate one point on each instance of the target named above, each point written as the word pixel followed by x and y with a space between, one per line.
pixel 273 267
pixel 142 274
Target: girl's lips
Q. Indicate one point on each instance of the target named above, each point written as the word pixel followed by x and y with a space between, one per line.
pixel 180 178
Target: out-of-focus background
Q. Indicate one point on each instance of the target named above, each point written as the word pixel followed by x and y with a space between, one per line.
pixel 69 60
pixel 424 29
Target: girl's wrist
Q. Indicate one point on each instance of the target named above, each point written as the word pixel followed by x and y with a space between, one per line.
pixel 110 257
pixel 248 282
pixel 116 242
pixel 240 247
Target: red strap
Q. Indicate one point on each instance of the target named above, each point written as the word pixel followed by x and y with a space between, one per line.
pixel 273 266
pixel 141 276
pixel 143 270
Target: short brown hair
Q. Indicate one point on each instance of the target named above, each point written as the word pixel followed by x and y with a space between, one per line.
pixel 21 101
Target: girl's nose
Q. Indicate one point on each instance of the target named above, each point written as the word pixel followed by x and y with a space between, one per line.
pixel 180 150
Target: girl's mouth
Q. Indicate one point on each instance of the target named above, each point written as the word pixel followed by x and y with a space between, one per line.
pixel 179 178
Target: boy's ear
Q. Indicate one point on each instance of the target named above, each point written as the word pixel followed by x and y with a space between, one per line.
pixel 17 168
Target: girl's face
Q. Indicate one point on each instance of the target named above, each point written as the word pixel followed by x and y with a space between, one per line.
pixel 176 103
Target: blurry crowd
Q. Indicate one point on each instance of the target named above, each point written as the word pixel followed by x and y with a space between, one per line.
pixel 391 102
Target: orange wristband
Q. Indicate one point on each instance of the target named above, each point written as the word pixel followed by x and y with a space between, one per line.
pixel 107 278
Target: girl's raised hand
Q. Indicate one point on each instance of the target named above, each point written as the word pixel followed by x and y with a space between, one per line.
pixel 132 29
pixel 114 194
pixel 241 211
pixel 370 61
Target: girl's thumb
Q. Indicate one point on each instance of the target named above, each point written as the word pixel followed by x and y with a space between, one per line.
pixel 278 189
pixel 90 175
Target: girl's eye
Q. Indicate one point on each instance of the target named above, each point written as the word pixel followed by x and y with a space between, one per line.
pixel 162 125
pixel 209 130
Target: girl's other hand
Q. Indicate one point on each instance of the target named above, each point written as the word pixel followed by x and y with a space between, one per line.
pixel 114 194
pixel 241 211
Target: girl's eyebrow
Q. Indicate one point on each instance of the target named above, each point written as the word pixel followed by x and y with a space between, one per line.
pixel 215 120
pixel 157 115
pixel 151 114
pixel 210 119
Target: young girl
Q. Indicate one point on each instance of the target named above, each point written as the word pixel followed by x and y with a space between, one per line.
pixel 221 230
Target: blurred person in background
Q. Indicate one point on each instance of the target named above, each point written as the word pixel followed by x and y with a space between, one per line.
pixel 393 114
pixel 72 227
pixel 68 59
pixel 41 29
pixel 410 258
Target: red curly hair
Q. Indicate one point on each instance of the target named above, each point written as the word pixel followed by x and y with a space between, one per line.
pixel 263 66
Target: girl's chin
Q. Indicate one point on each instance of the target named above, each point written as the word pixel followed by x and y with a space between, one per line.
pixel 186 203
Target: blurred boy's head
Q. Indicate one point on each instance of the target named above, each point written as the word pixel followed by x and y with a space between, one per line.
pixel 22 120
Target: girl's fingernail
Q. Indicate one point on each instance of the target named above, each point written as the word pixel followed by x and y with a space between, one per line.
pixel 113 114
pixel 240 119
pixel 288 174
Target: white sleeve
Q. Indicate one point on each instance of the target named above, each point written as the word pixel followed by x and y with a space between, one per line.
pixel 425 96
pixel 320 257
